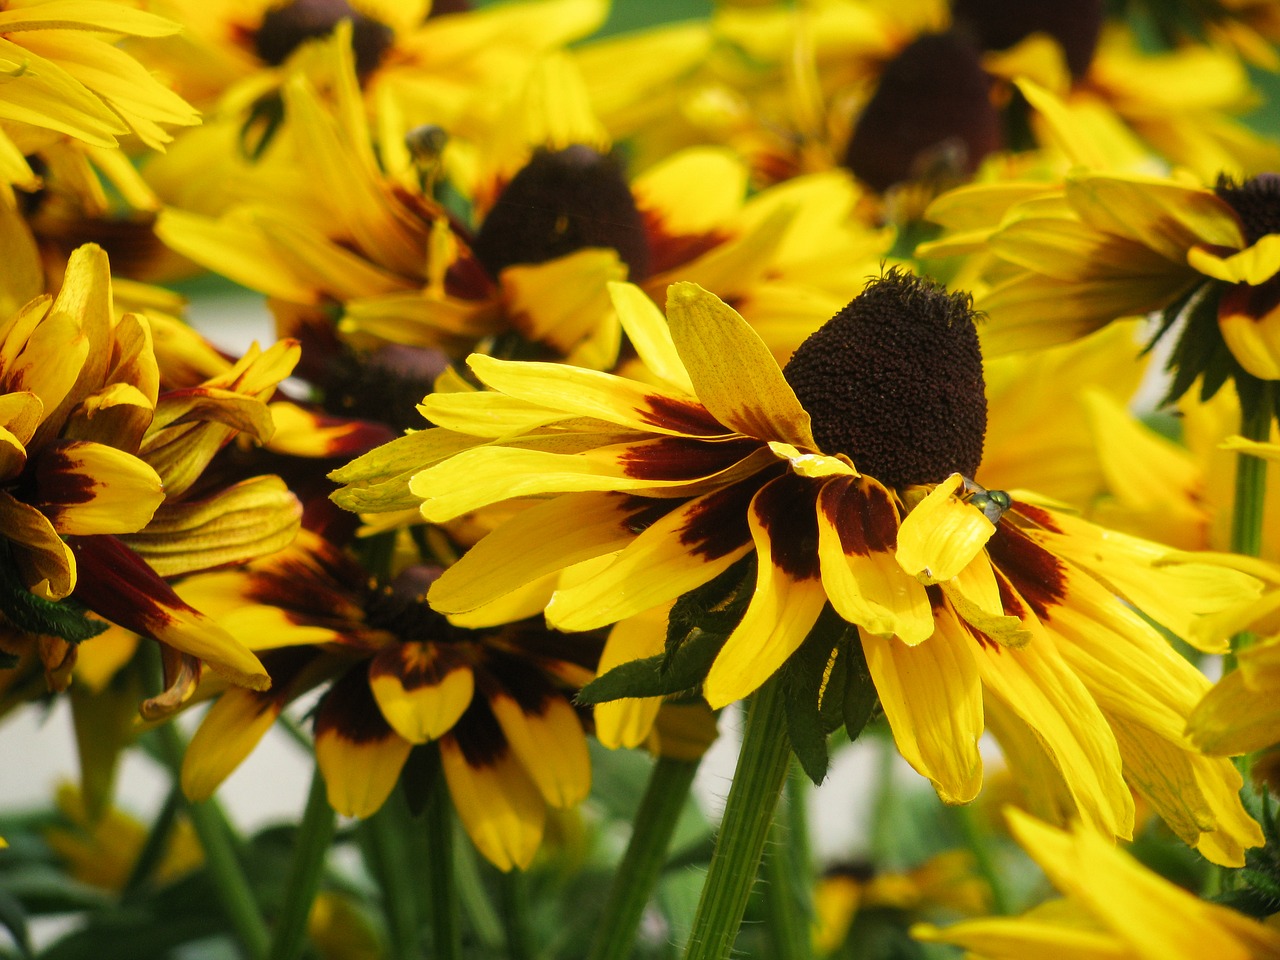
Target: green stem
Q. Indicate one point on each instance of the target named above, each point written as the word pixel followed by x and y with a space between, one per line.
pixel 633 882
pixel 787 883
pixel 383 851
pixel 882 838
pixel 315 834
pixel 757 785
pixel 477 905
pixel 1251 498
pixel 157 842
pixel 515 914
pixel 978 841
pixel 446 932
pixel 213 831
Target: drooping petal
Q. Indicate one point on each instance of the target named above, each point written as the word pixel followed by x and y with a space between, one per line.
pixel 1249 318
pixel 498 804
pixel 421 688
pixel 116 583
pixel 545 735
pixel 788 595
pixel 627 722
pixel 932 699
pixel 45 562
pixel 358 753
pixel 857 534
pixel 649 333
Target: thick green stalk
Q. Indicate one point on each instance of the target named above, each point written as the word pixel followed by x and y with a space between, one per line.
pixel 757 785
pixel 514 888
pixel 446 931
pixel 384 854
pixel 1251 483
pixel 633 882
pixel 211 827
pixel 315 834
pixel 157 842
pixel 473 896
pixel 787 883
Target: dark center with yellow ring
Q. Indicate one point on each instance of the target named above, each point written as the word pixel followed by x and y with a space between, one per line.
pixel 894 381
pixel 1256 202
pixel 285 28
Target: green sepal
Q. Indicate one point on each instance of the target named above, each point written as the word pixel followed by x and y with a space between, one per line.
pixel 32 614
pixel 861 702
pixel 699 624
pixel 809 681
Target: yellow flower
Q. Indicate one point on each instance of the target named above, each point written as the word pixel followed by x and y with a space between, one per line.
pixel 848 479
pixel 63 76
pixel 399 676
pixel 1113 908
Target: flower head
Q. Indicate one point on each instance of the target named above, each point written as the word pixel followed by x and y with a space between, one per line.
pixel 971 607
pixel 397 676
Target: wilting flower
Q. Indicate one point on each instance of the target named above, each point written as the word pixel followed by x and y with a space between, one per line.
pixel 1072 257
pixel 1113 908
pixel 399 675
pixel 848 478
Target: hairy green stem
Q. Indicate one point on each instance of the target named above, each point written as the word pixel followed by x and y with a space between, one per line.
pixel 315 834
pixel 787 880
pixel 384 853
pixel 748 814
pixel 446 931
pixel 638 873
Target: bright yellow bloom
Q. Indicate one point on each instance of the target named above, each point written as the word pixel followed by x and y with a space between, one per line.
pixel 398 676
pixel 970 614
pixel 64 76
pixel 1113 909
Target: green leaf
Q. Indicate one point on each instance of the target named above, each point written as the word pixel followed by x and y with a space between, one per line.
pixel 27 612
pixel 697 627
pixel 805 680
pixel 14 919
pixel 861 702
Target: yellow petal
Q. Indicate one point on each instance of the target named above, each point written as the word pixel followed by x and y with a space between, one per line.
pixel 627 722
pixel 499 806
pixel 932 699
pixel 359 755
pixel 421 689
pixel 548 741
pixel 733 371
pixel 942 534
pixel 86 488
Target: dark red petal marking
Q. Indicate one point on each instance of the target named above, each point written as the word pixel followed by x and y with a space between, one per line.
pixel 680 458
pixel 1039 516
pixel 786 508
pixel 686 416
pixel 505 674
pixel 479 736
pixel 116 583
pixel 1037 575
pixel 416 665
pixel 717 526
pixel 670 250
pixel 1255 302
pixel 862 512
pixel 50 481
pixel 348 710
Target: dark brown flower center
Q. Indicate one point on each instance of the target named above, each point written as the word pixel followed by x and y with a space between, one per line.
pixel 285 28
pixel 931 114
pixel 560 202
pixel 1256 202
pixel 400 607
pixel 999 24
pixel 894 382
pixel 385 385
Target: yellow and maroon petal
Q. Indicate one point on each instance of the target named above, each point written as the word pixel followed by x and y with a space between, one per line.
pixel 603 396
pixel 499 805
pixel 685 547
pixel 932 698
pixel 358 753
pixel 857 536
pixel 734 373
pixel 87 488
pixel 306 433
pixel 544 733
pixel 788 595
pixel 45 562
pixel 421 688
pixel 117 584
pixel 664 467
pixel 545 538
pixel 1249 318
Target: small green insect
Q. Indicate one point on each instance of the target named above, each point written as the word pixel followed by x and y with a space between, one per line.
pixel 992 503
